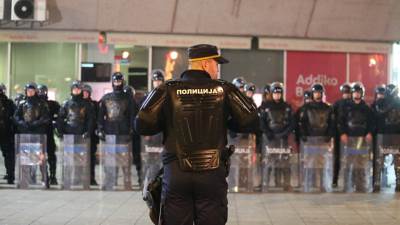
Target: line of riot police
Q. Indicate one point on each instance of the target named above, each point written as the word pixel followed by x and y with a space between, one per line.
pixel 349 145
pixel 28 129
pixel 316 148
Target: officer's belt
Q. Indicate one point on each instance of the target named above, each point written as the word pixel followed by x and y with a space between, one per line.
pixel 200 160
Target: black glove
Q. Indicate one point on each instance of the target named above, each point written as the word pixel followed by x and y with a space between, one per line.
pixel 85 135
pixel 101 135
pixel 304 138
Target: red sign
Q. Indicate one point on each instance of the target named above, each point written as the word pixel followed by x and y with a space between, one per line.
pixel 369 69
pixel 306 68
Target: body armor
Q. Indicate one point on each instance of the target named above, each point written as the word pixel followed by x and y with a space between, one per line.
pixel 193 113
pixel 75 118
pixel 32 116
pixel 116 113
pixel 316 119
pixel 356 120
pixel 277 117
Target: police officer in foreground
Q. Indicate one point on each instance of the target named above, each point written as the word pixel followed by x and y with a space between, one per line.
pixel 94 140
pixel 194 113
pixel 337 107
pixel 54 108
pixel 7 109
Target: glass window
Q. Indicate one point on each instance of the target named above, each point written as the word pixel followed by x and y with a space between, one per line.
pixel 133 62
pixel 3 63
pixel 99 63
pixel 174 61
pixel 52 64
pixel 257 66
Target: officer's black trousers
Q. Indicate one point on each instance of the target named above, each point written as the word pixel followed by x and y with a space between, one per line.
pixel 194 197
pixel 7 148
pixel 51 154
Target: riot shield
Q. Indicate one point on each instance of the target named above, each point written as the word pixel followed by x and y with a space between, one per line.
pixel 151 156
pixel 76 162
pixel 356 165
pixel 387 159
pixel 280 164
pixel 243 163
pixel 316 154
pixel 31 166
pixel 115 163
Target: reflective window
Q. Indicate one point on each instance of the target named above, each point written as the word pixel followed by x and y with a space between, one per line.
pixel 256 66
pixel 52 64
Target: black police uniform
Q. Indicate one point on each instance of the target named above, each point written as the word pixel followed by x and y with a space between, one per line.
pixel 7 109
pixel 338 107
pixel 299 114
pixel 94 140
pixel 387 117
pixel 32 116
pixel 277 123
pixel 116 113
pixel 192 112
pixel 317 119
pixel 75 117
pixel 356 120
pixel 54 108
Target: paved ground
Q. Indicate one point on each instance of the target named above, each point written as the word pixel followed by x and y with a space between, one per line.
pixel 53 207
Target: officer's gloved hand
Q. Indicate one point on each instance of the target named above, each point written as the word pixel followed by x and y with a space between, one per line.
pixel 60 135
pixel 100 133
pixel 304 138
pixel 85 135
pixel 270 136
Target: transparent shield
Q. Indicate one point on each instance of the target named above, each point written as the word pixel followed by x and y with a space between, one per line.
pixel 387 161
pixel 31 166
pixel 243 163
pixel 356 165
pixel 280 163
pixel 316 155
pixel 116 163
pixel 75 162
pixel 151 156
